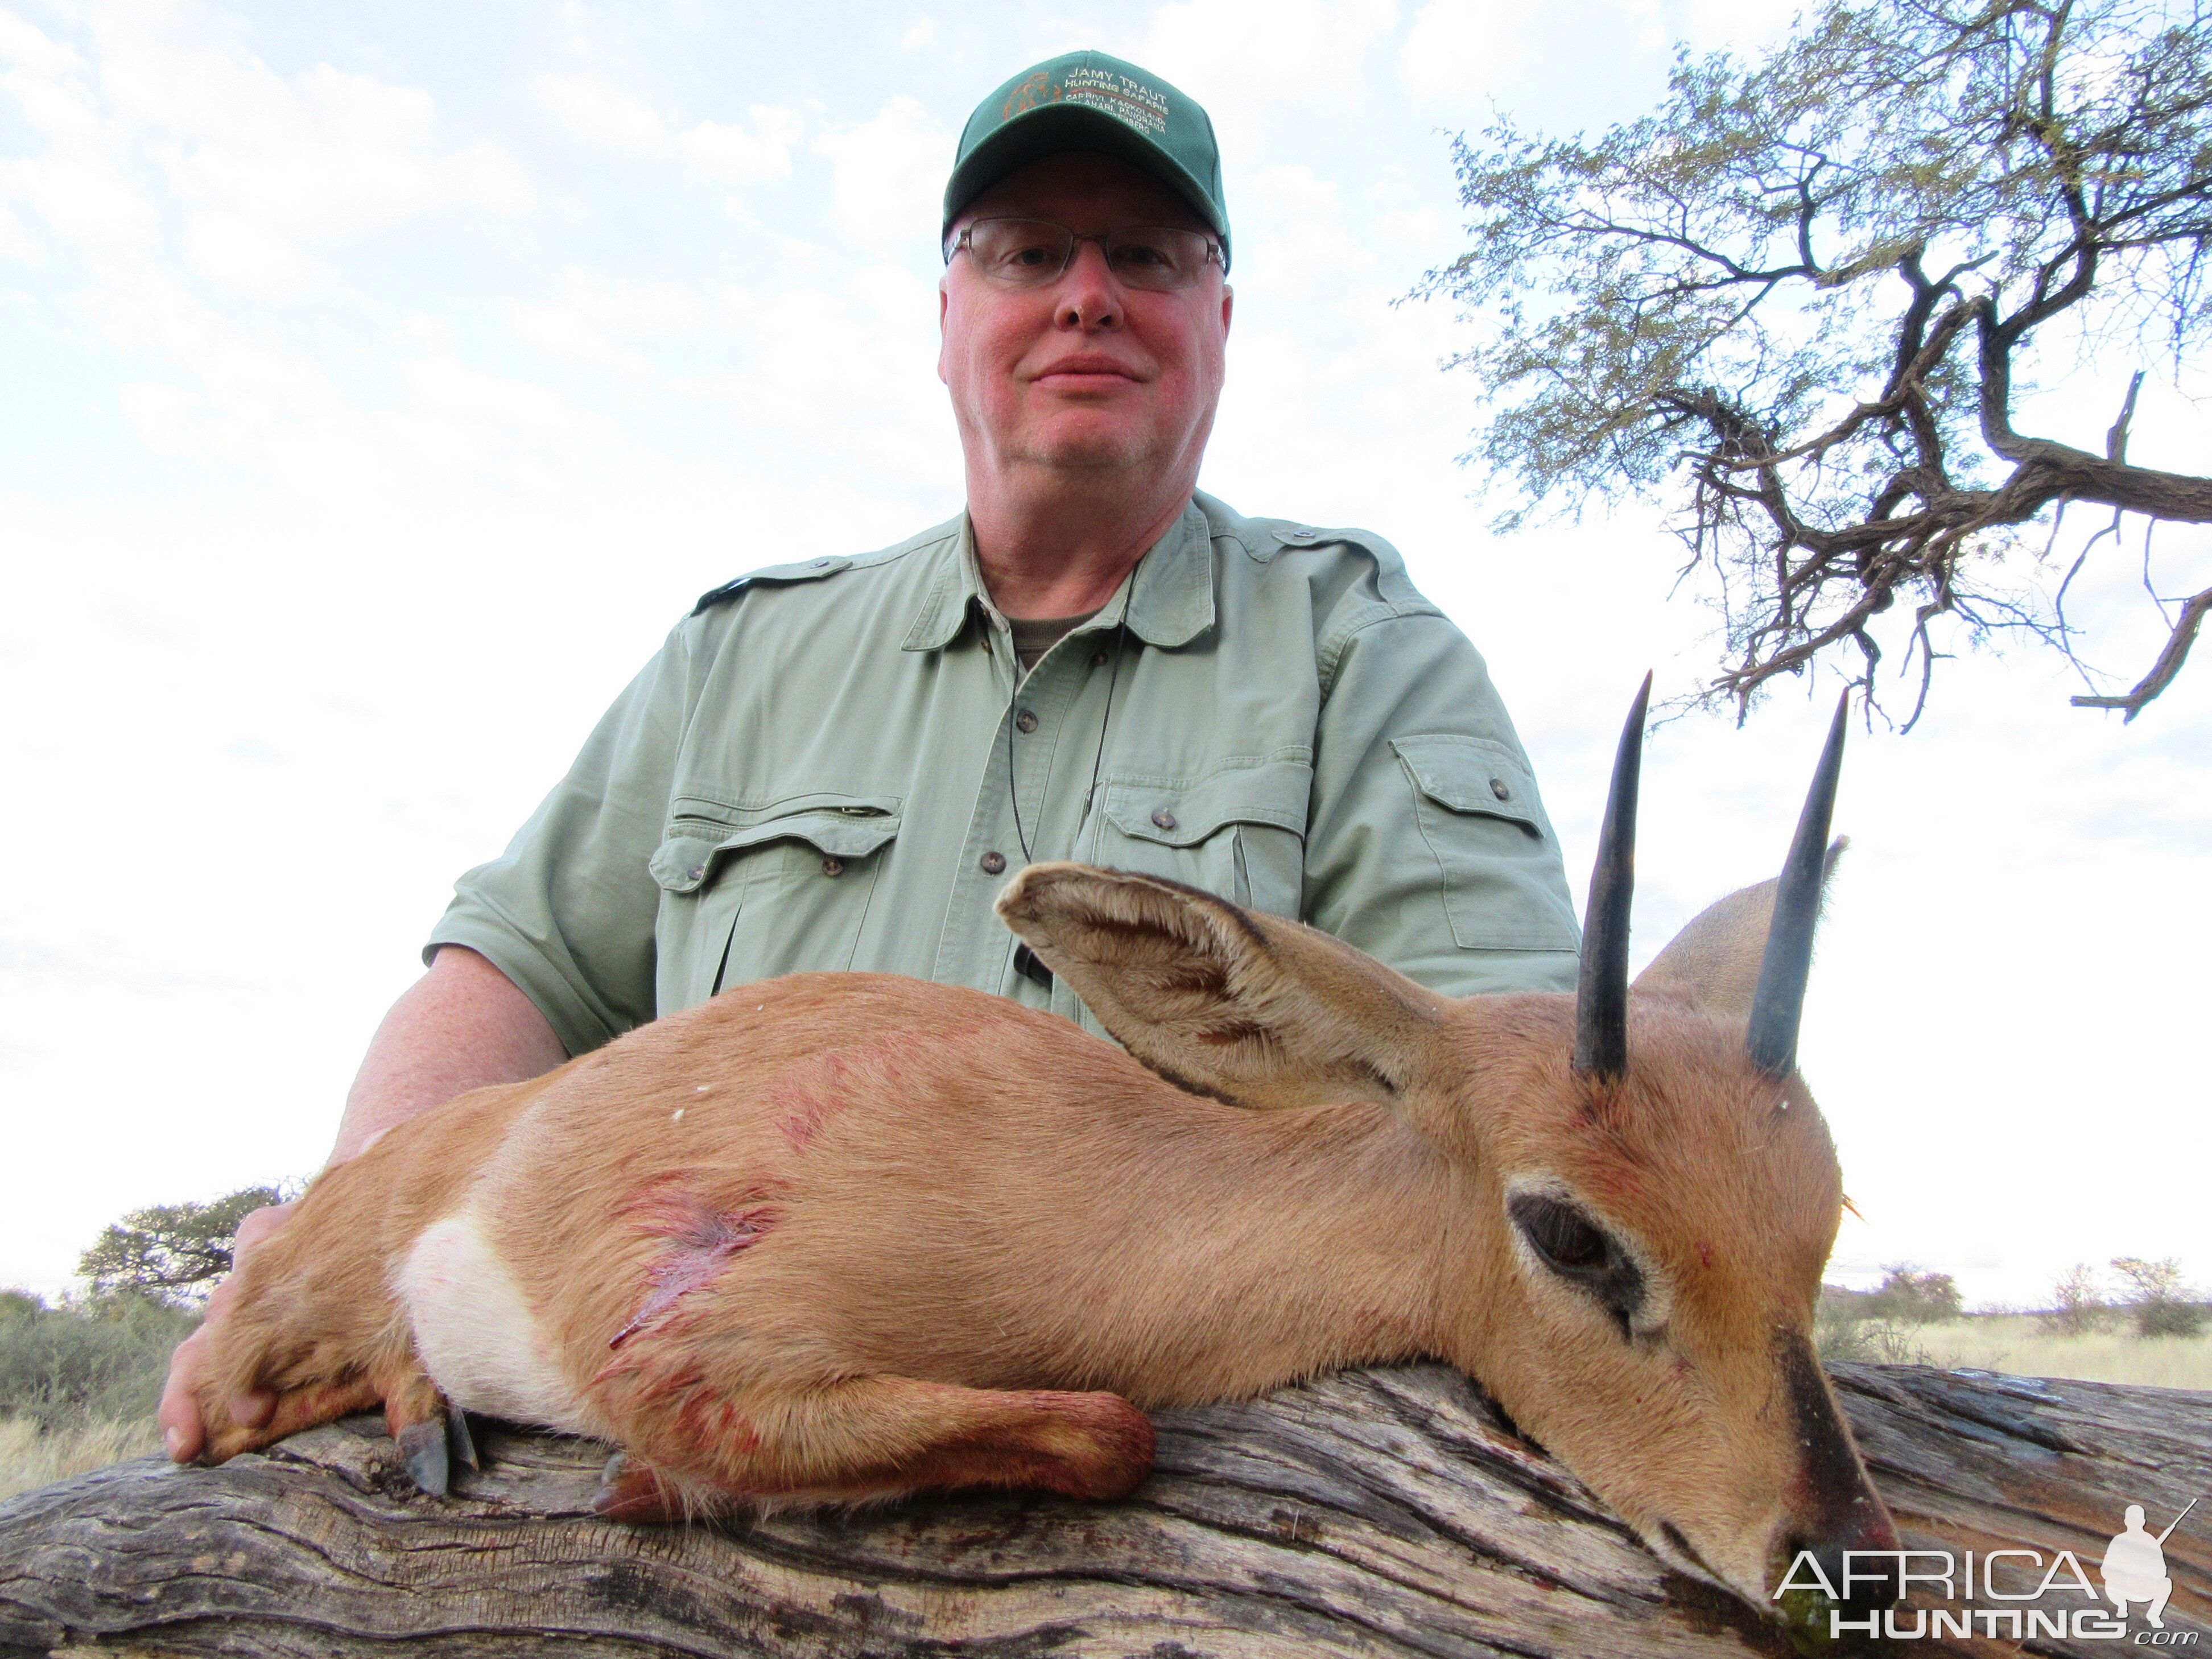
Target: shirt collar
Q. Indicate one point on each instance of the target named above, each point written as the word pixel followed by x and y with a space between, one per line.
pixel 1168 599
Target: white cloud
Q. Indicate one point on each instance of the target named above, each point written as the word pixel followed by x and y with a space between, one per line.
pixel 436 332
pixel 732 153
pixel 326 154
pixel 560 332
pixel 622 308
pixel 722 150
pixel 86 201
pixel 1739 23
pixel 1295 190
pixel 1417 225
pixel 849 372
pixel 599 111
pixel 579 328
pixel 23 44
pixel 1458 46
pixel 1241 57
pixel 162 416
pixel 76 185
pixel 13 242
pixel 449 388
pixel 1299 236
pixel 266 161
pixel 891 173
pixel 241 253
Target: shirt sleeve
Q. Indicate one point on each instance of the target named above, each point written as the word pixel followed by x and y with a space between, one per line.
pixel 568 911
pixel 1427 845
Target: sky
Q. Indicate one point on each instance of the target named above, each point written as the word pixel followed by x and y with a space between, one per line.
pixel 382 382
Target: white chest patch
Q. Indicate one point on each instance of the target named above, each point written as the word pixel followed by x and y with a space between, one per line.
pixel 475 1333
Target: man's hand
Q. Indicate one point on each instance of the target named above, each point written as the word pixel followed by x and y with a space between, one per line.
pixel 180 1416
pixel 463 1025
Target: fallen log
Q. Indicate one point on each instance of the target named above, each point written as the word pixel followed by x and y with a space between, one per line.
pixel 1375 1513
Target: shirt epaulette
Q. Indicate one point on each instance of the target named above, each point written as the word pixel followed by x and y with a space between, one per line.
pixel 1265 539
pixel 805 570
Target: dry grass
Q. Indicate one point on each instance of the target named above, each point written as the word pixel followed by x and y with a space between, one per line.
pixel 2012 1343
pixel 30 1459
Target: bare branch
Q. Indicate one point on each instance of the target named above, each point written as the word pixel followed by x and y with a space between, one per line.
pixel 2116 439
pixel 2167 665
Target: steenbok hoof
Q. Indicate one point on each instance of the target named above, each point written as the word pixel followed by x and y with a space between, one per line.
pixel 423 1449
pixel 633 1493
pixel 460 1444
pixel 430 1447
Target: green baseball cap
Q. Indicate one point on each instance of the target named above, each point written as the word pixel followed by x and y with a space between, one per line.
pixel 1087 101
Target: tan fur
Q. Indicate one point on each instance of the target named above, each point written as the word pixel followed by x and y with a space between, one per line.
pixel 840 1237
pixel 1715 960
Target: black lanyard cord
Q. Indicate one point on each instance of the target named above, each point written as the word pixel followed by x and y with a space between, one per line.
pixel 1026 960
pixel 1013 784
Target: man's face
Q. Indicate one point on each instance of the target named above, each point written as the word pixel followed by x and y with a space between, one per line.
pixel 1083 373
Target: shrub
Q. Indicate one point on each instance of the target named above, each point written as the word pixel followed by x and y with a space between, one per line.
pixel 101 1359
pixel 2077 1309
pixel 1849 1325
pixel 1909 1298
pixel 19 1305
pixel 2162 1305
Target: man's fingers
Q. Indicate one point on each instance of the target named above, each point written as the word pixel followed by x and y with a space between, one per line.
pixel 257 1224
pixel 251 1408
pixel 182 1431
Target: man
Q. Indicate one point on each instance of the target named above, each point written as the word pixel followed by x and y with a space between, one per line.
pixel 836 761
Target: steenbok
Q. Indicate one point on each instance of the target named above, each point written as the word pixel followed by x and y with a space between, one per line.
pixel 840 1237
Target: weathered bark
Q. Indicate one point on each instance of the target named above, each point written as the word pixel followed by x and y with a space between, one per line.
pixel 1375 1513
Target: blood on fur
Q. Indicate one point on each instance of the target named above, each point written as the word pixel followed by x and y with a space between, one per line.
pixel 705 1240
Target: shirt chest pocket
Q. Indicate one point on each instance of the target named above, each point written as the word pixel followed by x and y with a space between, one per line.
pixel 750 892
pixel 1238 832
pixel 1477 808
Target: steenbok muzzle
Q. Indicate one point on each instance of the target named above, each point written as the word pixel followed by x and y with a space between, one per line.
pixel 838 1237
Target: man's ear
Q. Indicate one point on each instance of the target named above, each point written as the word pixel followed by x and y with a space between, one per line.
pixel 1218 1000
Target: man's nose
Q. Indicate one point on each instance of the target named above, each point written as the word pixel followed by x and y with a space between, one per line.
pixel 1088 296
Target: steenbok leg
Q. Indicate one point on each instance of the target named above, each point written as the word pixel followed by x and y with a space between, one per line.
pixel 870 1439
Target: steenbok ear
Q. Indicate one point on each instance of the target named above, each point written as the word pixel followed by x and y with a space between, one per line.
pixel 1252 1009
pixel 1716 957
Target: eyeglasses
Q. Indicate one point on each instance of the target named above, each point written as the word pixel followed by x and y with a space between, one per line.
pixel 1033 252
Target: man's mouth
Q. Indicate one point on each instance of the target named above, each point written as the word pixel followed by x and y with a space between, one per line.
pixel 1075 372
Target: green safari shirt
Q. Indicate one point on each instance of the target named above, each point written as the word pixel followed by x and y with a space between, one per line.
pixel 835 765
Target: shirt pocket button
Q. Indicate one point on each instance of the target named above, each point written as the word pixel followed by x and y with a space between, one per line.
pixel 833 867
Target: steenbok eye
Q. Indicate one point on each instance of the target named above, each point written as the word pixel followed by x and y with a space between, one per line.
pixel 1562 1238
pixel 1580 1252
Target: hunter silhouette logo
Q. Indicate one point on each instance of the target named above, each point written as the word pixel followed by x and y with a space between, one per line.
pixel 2133 1568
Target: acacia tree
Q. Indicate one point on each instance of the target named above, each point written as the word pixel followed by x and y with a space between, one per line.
pixel 1804 296
pixel 171 1253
